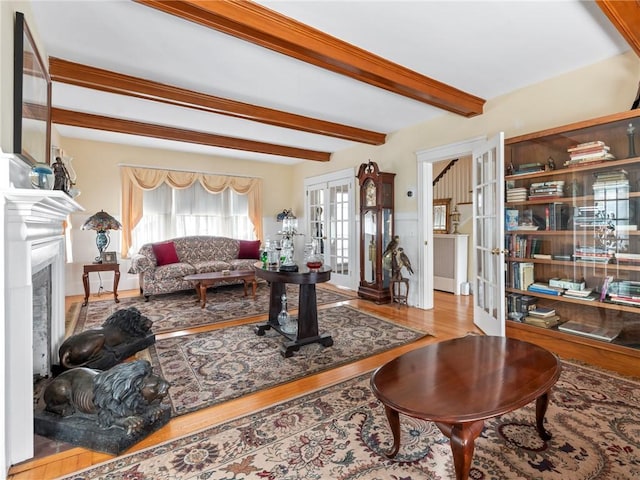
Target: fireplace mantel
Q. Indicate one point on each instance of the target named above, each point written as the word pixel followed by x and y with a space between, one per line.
pixel 32 238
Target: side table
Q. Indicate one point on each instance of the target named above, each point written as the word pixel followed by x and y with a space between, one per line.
pixel 101 267
pixel 395 289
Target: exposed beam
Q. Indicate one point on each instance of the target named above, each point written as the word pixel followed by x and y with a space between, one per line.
pixel 625 16
pixel 267 28
pixel 98 122
pixel 113 82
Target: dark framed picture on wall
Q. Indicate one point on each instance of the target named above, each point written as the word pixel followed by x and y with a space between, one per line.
pixel 31 98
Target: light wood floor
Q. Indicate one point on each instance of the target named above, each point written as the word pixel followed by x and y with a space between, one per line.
pixel 452 317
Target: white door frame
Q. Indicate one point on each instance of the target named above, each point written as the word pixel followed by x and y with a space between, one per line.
pixel 426 159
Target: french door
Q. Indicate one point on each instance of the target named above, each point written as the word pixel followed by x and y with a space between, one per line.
pixel 330 210
pixel 488 235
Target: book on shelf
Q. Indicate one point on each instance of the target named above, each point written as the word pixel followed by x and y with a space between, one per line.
pixel 578 293
pixel 567 283
pixel 589 160
pixel 543 312
pixel 599 332
pixel 547 322
pixel 584 145
pixel 538 287
pixel 542 256
pixel 529 168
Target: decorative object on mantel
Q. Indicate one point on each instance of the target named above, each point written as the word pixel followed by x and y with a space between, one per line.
pixel 455 219
pixel 101 222
pixel 42 176
pixel 62 178
pixel 636 102
pixel 108 411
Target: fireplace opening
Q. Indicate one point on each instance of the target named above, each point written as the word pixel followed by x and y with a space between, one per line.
pixel 42 316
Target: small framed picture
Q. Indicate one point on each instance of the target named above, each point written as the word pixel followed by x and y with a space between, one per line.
pixel 109 257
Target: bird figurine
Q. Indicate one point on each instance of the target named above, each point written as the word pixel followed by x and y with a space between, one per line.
pixel 393 245
pixel 403 261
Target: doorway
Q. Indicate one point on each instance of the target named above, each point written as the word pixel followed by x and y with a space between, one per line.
pixel 426 159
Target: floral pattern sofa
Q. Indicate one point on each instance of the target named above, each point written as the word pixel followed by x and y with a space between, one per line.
pixel 163 265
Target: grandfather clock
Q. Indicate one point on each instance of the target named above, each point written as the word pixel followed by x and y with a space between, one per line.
pixel 376 231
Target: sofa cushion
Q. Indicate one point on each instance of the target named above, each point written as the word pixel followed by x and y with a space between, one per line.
pixel 174 270
pixel 207 266
pixel 249 249
pixel 243 264
pixel 165 253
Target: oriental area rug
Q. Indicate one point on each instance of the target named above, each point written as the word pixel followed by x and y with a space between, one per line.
pixel 341 432
pixel 212 367
pixel 181 310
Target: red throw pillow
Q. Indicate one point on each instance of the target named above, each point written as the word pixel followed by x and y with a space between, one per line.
pixel 249 249
pixel 165 253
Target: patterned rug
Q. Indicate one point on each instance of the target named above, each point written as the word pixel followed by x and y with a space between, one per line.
pixel 341 431
pixel 212 367
pixel 180 310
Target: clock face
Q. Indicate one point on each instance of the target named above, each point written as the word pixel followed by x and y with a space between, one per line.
pixel 370 193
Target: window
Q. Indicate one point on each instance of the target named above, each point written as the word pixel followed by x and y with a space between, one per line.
pixel 170 213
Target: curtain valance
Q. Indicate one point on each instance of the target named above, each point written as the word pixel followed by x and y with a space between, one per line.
pixel 135 180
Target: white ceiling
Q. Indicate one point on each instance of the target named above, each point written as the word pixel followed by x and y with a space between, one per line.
pixel 485 48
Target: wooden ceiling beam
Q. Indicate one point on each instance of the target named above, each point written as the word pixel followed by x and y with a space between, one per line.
pixel 99 122
pixel 107 81
pixel 625 16
pixel 267 28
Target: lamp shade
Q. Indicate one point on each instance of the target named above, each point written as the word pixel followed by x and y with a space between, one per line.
pixel 101 222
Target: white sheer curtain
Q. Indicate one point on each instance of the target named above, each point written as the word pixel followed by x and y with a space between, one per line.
pixel 170 213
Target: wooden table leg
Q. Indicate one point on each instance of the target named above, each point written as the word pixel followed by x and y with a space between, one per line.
pixel 85 282
pixel 203 294
pixel 394 422
pixel 462 438
pixel 542 402
pixel 116 280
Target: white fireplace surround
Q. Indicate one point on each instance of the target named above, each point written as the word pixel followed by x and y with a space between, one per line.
pixel 32 239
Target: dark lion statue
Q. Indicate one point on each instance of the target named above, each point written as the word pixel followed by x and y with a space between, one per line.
pixel 124 333
pixel 126 396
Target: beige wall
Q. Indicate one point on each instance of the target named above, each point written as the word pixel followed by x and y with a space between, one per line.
pixel 98 179
pixel 96 165
pixel 600 89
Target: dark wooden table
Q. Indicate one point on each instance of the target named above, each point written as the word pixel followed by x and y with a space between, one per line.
pixel 459 383
pixel 101 267
pixel 307 306
pixel 209 279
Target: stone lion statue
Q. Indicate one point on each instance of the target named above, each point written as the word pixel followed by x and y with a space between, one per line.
pixel 124 333
pixel 126 396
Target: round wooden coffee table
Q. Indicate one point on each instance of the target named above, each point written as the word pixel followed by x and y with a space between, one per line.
pixel 461 382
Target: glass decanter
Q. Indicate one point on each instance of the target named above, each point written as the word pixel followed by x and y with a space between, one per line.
pixel 313 258
pixel 287 324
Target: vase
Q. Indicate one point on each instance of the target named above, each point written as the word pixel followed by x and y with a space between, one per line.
pixel 41 176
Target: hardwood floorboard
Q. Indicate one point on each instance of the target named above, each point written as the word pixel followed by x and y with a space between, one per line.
pixel 452 317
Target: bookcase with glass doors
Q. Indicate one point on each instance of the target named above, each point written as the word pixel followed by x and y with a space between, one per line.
pixel 572 243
